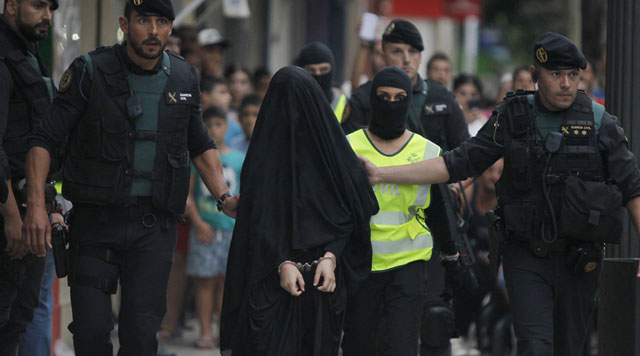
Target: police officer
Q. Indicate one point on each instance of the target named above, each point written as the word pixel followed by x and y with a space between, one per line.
pixel 26 90
pixel 133 120
pixel 567 173
pixel 401 237
pixel 317 59
pixel 437 116
pixel 435 113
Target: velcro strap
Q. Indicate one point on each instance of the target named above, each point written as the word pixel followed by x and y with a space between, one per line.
pixel 107 285
pixel 104 253
pixel 138 174
pixel 578 149
pixel 578 122
pixel 149 136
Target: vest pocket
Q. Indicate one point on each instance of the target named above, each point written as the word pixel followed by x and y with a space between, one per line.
pixel 518 158
pixel 89 138
pixel 519 219
pixel 179 184
pixel 114 138
pixel 591 211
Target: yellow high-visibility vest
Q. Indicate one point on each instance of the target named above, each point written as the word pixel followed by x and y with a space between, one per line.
pixel 338 105
pixel 399 234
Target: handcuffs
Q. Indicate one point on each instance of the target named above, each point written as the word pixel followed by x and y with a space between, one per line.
pixel 306 267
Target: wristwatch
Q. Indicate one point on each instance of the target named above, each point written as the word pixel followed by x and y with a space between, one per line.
pixel 221 200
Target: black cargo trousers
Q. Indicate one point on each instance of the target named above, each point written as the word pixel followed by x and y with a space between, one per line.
pixel 134 246
pixel 551 306
pixel 20 282
pixel 19 291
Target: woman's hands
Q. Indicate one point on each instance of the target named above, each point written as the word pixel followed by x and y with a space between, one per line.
pixel 292 280
pixel 326 270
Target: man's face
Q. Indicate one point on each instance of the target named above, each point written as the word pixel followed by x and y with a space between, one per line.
pixel 558 87
pixel 217 127
pixel 239 84
pixel 248 117
pixel 318 68
pixel 147 34
pixel 404 56
pixel 523 80
pixel 32 17
pixel 440 70
pixel 218 96
pixel 212 58
pixel 467 93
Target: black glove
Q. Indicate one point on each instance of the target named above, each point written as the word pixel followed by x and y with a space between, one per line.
pixel 453 278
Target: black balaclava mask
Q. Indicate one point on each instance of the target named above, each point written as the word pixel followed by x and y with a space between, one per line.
pixel 316 53
pixel 388 118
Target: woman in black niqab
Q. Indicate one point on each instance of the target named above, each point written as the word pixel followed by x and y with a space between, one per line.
pixel 303 194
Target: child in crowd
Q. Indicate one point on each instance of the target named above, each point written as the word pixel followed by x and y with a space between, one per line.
pixel 211 233
pixel 248 114
pixel 215 92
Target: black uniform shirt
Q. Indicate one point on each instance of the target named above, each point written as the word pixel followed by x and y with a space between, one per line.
pixel 455 127
pixel 477 154
pixel 6 85
pixel 70 105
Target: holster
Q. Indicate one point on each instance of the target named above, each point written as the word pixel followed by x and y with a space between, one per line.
pixel 60 251
pixel 496 241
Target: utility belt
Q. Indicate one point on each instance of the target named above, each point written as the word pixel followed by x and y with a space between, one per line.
pixel 67 253
pixel 582 256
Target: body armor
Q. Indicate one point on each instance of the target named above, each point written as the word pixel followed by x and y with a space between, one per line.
pixel 99 164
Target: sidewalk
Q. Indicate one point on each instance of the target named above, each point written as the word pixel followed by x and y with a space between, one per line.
pixel 182 346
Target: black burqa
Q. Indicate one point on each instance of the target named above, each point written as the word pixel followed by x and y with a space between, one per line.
pixel 303 192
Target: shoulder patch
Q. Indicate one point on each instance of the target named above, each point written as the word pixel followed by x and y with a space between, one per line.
pixel 65 81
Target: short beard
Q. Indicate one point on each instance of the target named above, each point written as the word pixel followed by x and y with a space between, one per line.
pixel 137 47
pixel 30 32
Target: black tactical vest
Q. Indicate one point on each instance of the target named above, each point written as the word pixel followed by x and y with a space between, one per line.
pixel 520 190
pixel 29 102
pixel 433 116
pixel 98 166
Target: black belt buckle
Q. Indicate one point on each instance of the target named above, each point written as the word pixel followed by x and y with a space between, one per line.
pixel 149 220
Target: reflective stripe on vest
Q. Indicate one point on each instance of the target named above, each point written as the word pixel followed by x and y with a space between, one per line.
pixel 338 106
pixel 399 234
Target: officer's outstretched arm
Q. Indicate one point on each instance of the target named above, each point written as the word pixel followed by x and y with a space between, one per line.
pixel 209 166
pixel 36 227
pixel 430 171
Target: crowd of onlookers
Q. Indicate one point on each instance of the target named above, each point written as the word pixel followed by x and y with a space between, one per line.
pixel 231 97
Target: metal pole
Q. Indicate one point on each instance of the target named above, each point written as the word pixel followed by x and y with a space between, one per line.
pixel 622 95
